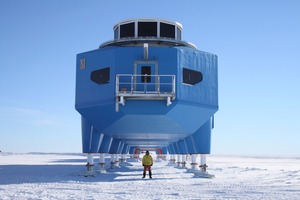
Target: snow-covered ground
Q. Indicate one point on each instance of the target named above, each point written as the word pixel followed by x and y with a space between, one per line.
pixel 55 176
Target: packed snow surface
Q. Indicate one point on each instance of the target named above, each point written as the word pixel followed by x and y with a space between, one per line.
pixel 56 176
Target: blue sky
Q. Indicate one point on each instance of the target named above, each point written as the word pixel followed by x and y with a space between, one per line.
pixel 257 43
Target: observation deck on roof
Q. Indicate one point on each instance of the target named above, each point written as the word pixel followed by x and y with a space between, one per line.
pixel 135 32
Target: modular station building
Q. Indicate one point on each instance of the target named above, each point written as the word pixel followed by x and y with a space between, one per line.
pixel 146 89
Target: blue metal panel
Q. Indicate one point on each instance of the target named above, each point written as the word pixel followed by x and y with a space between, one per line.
pixel 125 149
pixel 202 139
pixel 89 93
pixel 164 150
pixel 190 144
pixel 105 144
pixel 121 146
pixel 137 124
pixel 90 137
pixel 147 122
pixel 182 147
pixel 114 146
pixel 175 145
pixel 203 93
pixel 131 150
pixel 170 150
pixel 190 116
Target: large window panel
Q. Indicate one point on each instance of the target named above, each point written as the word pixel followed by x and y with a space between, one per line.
pixel 147 29
pixel 127 30
pixel 167 30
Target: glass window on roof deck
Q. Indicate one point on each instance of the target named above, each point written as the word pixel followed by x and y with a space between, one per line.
pixel 147 29
pixel 127 30
pixel 167 30
pixel 116 33
pixel 178 34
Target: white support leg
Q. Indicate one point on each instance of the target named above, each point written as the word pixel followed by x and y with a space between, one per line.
pixel 112 161
pixel 102 161
pixel 117 162
pixel 123 158
pixel 90 166
pixel 194 161
pixel 164 157
pixel 202 173
pixel 183 160
pixel 90 162
pixel 174 158
pixel 203 165
pixel 171 158
pixel 178 160
pixel 193 164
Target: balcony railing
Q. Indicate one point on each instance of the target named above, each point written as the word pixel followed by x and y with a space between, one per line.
pixel 145 87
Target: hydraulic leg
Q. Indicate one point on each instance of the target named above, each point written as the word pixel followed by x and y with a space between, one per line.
pixel 90 162
pixel 89 166
pixel 202 173
pixel 112 161
pixel 123 158
pixel 203 165
pixel 183 160
pixel 102 161
pixel 178 160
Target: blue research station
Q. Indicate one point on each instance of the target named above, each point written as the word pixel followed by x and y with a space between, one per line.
pixel 146 89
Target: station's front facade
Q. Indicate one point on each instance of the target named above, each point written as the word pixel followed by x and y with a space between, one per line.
pixel 147 89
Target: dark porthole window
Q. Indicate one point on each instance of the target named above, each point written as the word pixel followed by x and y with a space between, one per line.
pixel 101 76
pixel 191 77
pixel 127 30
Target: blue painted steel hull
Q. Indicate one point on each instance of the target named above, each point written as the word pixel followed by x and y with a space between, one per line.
pixel 182 127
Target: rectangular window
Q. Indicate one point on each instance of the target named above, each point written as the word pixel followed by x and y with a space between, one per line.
pixel 127 30
pixel 146 72
pixel 147 29
pixel 167 30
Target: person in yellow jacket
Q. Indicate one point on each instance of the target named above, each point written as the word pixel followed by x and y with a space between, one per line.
pixel 147 163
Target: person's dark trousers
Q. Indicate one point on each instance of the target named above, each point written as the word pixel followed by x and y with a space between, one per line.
pixel 147 167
